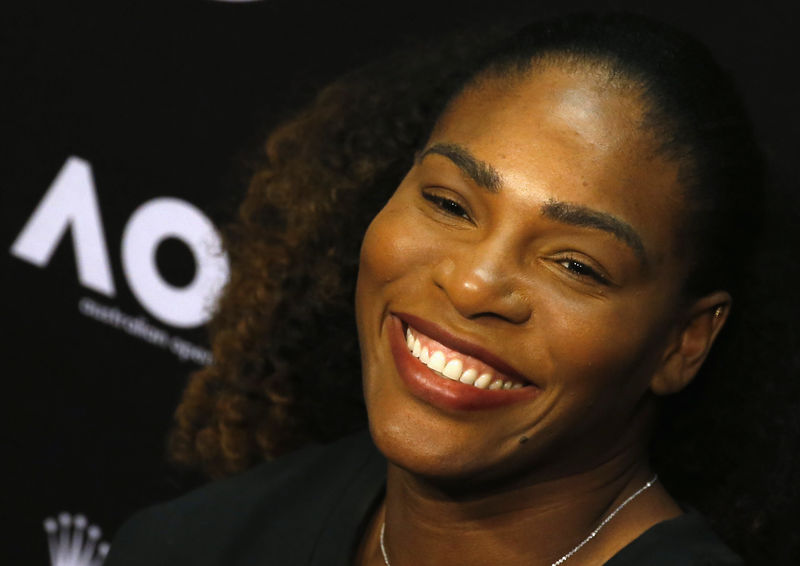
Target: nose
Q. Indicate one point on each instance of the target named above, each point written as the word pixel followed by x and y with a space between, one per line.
pixel 481 281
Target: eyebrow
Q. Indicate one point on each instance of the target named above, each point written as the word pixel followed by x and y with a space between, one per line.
pixel 487 177
pixel 583 216
pixel 483 174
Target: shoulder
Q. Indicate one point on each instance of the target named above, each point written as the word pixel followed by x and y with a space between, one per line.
pixel 258 511
pixel 683 541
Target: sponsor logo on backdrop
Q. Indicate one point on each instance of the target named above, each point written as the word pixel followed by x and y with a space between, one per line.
pixel 71 205
pixel 140 327
pixel 72 541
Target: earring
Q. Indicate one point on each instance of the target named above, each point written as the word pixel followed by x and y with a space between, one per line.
pixel 718 311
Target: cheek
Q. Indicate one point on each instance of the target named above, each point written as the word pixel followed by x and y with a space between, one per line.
pixel 382 249
pixel 602 351
pixel 383 259
pixel 393 248
pixel 389 263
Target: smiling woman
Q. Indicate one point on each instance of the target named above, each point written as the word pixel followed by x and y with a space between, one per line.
pixel 583 317
pixel 550 243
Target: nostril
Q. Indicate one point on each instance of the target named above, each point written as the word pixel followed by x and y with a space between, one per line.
pixel 487 314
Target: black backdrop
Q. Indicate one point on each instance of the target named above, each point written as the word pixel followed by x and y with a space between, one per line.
pixel 134 102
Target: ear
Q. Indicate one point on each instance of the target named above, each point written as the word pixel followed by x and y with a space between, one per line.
pixel 691 343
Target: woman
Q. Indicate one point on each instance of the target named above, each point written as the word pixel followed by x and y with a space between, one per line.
pixel 558 260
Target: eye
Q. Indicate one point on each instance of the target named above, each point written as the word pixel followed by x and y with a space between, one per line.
pixel 581 270
pixel 446 205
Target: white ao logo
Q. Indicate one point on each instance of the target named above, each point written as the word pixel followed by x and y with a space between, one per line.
pixel 71 203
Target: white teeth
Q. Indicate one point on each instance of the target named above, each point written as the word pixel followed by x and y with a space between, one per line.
pixel 437 361
pixel 453 369
pixel 483 381
pixel 469 376
pixel 424 355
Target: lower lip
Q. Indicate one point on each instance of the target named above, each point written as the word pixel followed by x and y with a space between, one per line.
pixel 442 392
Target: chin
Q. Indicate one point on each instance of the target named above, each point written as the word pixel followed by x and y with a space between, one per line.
pixel 433 465
pixel 441 452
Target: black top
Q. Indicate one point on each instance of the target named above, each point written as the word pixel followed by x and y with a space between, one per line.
pixel 310 507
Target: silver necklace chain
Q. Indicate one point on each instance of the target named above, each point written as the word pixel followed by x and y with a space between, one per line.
pixel 580 545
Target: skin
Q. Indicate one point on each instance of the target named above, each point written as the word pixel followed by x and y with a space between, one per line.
pixel 592 316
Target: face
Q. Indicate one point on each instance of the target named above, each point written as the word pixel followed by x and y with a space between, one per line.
pixel 528 258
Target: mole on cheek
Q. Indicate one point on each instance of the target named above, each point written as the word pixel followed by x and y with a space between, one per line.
pixel 523 439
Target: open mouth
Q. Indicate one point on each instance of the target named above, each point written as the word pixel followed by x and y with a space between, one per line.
pixel 454 365
pixel 451 373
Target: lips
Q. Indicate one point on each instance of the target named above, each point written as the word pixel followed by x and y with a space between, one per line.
pixel 449 372
pixel 456 365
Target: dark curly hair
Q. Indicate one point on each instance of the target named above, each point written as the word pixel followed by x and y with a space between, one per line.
pixel 286 364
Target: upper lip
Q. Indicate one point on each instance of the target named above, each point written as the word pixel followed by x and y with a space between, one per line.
pixel 436 332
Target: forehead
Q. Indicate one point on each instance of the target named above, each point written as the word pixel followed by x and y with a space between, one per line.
pixel 571 136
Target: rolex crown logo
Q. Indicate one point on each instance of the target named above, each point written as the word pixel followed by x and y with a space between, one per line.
pixel 74 542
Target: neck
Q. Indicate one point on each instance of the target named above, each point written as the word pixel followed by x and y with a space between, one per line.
pixel 426 524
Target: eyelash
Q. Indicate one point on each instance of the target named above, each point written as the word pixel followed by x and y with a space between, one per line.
pixel 576 268
pixel 446 205
pixel 581 270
